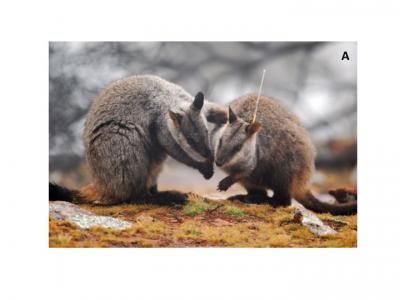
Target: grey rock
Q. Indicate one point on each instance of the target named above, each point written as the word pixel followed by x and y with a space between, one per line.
pixel 61 210
pixel 310 220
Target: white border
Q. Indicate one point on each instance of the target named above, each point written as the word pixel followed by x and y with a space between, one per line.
pixel 30 270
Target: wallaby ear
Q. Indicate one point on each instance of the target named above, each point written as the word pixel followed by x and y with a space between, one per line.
pixel 176 117
pixel 232 116
pixel 217 116
pixel 198 101
pixel 253 128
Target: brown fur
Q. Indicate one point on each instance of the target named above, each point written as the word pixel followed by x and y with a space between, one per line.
pixel 282 157
pixel 89 193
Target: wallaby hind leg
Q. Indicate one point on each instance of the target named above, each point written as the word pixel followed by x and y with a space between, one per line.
pixel 254 196
pixel 170 198
pixel 240 197
pixel 280 198
pixel 166 198
pixel 257 196
pixel 92 195
pixel 119 164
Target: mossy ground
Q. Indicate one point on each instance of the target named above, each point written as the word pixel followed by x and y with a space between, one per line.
pixel 202 223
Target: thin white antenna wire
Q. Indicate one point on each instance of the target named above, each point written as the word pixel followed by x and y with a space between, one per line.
pixel 258 98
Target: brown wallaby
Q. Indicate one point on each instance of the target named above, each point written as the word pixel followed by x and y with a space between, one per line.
pixel 274 152
pixel 131 128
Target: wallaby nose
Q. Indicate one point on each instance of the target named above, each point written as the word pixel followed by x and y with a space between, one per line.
pixel 210 156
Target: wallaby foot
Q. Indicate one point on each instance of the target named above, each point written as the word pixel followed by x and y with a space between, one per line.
pixel 226 183
pixel 170 198
pixel 280 199
pixel 166 198
pixel 237 197
pixel 250 199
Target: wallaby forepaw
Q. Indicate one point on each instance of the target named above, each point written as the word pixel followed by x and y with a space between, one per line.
pixel 224 184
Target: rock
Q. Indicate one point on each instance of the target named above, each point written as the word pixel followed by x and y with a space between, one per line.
pixel 335 223
pixel 61 210
pixel 310 220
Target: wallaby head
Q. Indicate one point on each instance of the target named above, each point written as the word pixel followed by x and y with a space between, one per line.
pixel 192 125
pixel 237 145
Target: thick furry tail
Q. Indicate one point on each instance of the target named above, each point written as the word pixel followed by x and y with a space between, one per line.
pixel 310 202
pixel 89 195
pixel 57 192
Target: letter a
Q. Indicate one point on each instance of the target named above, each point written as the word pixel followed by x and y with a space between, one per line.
pixel 345 56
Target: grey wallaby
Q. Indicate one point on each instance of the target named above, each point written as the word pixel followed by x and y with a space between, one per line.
pixel 274 152
pixel 130 129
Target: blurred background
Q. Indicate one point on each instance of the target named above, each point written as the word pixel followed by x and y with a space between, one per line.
pixel 310 78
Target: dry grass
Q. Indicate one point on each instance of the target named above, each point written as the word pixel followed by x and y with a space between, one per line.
pixel 203 223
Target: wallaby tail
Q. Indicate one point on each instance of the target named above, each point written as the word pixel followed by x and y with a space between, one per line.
pixel 89 195
pixel 309 201
pixel 57 192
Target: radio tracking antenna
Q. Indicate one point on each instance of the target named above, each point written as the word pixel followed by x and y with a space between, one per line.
pixel 258 98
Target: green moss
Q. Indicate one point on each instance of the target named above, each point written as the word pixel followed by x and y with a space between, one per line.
pixel 234 211
pixel 198 205
pixel 195 209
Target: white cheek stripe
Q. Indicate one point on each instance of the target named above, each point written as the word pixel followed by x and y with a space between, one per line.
pixel 181 141
pixel 234 160
pixel 239 155
pixel 215 135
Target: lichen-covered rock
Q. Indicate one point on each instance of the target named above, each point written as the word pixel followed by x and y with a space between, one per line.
pixel 311 221
pixel 61 210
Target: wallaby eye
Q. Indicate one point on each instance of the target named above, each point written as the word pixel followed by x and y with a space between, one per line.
pixel 191 140
pixel 220 143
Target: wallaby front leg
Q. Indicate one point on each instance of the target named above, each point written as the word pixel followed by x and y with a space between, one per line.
pixel 227 182
pixel 206 168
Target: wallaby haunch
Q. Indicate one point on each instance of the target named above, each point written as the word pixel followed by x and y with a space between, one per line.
pixel 274 152
pixel 131 128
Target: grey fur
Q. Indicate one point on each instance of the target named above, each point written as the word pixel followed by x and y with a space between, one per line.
pixel 131 128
